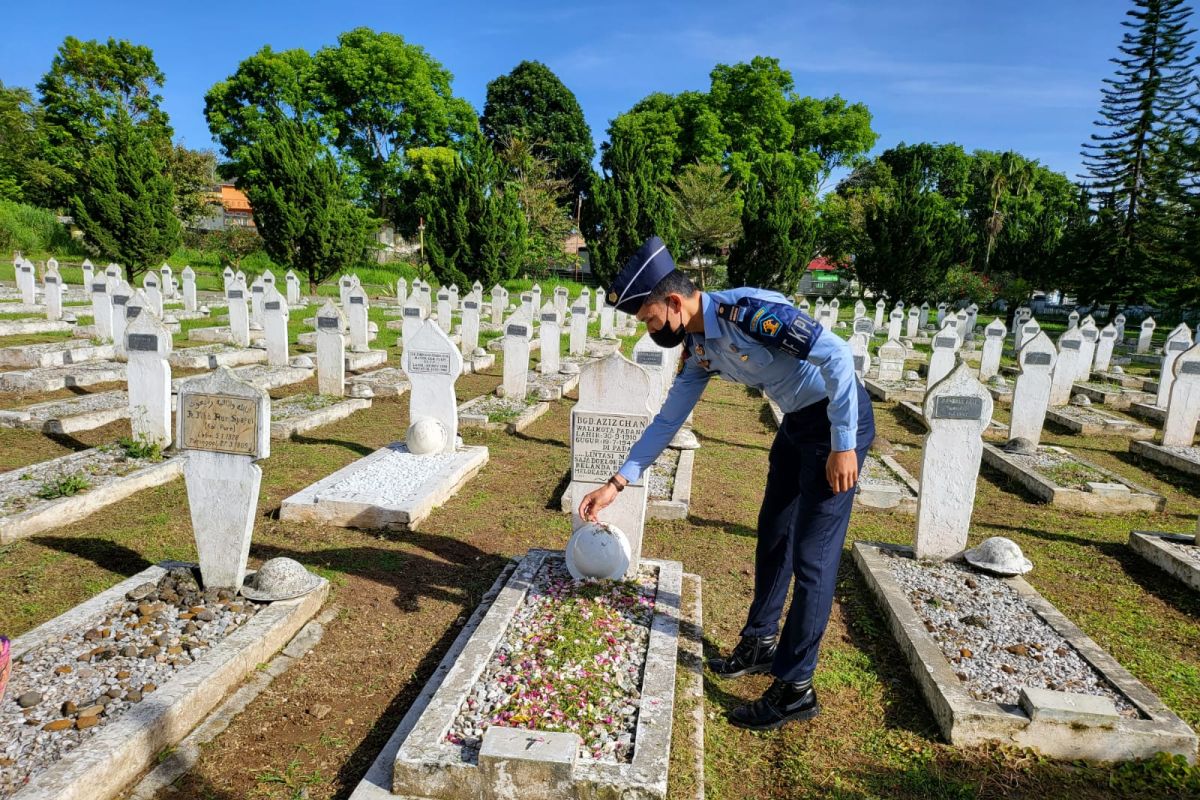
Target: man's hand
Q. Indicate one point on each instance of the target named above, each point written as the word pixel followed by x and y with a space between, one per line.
pixel 593 502
pixel 841 470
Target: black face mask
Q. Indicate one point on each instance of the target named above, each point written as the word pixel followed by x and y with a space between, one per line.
pixel 667 337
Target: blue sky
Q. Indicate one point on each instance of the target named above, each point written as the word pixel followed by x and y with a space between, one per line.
pixel 1014 75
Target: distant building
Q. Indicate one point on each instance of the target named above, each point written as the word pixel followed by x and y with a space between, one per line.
pixel 824 277
pixel 230 209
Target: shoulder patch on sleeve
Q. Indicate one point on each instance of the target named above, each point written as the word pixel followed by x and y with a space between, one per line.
pixel 774 324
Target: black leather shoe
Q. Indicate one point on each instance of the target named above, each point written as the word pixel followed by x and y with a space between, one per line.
pixel 783 703
pixel 752 655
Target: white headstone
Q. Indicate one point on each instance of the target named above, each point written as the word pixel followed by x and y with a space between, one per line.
pixel 1144 334
pixel 861 354
pixel 412 316
pixel 895 320
pixel 804 306
pixel 880 308
pixel 961 327
pixel 268 278
pixel 517 332
pixel 224 425
pixel 1183 409
pixel 239 314
pixel 257 290
pixel 227 275
pixel 114 271
pixel 52 284
pixel 293 288
pixel 579 325
pixel 972 314
pixel 445 319
pixel 102 309
pixel 345 284
pixel 166 281
pixel 551 340
pixel 1031 392
pixel 941 313
pixel 536 291
pixel 89 272
pixel 1025 331
pixel 401 292
pixel 613 410
pixel 913 324
pixel 453 292
pixel 560 301
pixel 1073 320
pixel 599 300
pixel 923 316
pixel 1104 348
pixel 432 365
pixel 1179 340
pixel 147 345
pixel 189 289
pixel 500 303
pixel 957 410
pixel 275 327
pixel 891 361
pixel 356 313
pixel 427 299
pixel 1087 352
pixel 941 361
pixel 606 323
pixel 120 299
pixel 827 316
pixel 527 305
pixel 659 364
pixel 1119 324
pixel 27 282
pixel 331 351
pixel 469 330
pixel 1066 368
pixel 993 347
pixel 153 292
pixel 860 309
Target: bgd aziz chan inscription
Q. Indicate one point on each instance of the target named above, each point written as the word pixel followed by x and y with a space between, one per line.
pixel 219 423
pixel 600 442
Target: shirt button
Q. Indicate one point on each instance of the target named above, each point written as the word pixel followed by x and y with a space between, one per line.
pixel 700 349
pixel 745 357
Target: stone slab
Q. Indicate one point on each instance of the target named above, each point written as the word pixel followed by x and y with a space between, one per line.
pixel 964 721
pixel 211 356
pixel 472 414
pixel 26 327
pixel 361 362
pixel 887 486
pixel 889 391
pixel 55 354
pixel 103 766
pixel 1112 395
pixel 472 364
pixel 267 377
pixel 1187 463
pixel 288 426
pixel 551 387
pixel 385 490
pixel 385 382
pixel 1090 421
pixel 426 767
pixel 51 379
pixel 71 415
pixel 1162 550
pixel 221 334
pixel 1124 379
pixel 1069 709
pixel 1136 498
pixel 48 514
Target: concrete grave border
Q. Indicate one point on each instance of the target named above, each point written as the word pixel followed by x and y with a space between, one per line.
pixel 473 364
pixel 216 355
pixel 965 721
pixel 1152 546
pixel 34 417
pixel 51 379
pixel 913 391
pixel 55 354
pixel 870 499
pixel 365 360
pixel 49 514
pixel 426 766
pixel 379 381
pixel 1117 397
pixel 123 749
pixel 470 417
pixel 1152 451
pixel 307 506
pixel 1065 418
pixel 287 427
pixel 1139 498
pixel 26 327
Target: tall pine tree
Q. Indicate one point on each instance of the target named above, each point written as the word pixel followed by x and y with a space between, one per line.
pixel 779 225
pixel 1130 161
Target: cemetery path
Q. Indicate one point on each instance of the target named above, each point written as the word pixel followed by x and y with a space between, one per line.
pixel 401 598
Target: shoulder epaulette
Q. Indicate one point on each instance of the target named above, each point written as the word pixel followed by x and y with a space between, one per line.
pixel 774 324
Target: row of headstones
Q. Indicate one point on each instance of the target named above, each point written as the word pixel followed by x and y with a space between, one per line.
pixel 918 319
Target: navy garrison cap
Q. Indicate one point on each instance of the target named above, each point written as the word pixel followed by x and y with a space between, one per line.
pixel 641 273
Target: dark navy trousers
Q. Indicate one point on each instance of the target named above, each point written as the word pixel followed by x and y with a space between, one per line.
pixel 801 528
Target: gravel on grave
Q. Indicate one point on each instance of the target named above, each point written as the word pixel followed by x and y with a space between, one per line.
pixel 876 473
pixel 570 661
pixel 19 488
pixel 661 478
pixel 82 404
pixel 298 405
pixel 1186 551
pixel 1061 468
pixel 1092 415
pixel 64 691
pixel 1191 453
pixel 490 404
pixel 995 643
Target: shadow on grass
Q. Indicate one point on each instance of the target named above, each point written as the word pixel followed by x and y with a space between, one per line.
pixel 741 445
pixel 737 529
pixel 907 423
pixel 104 553
pixel 556 497
pixel 354 447
pixel 525 437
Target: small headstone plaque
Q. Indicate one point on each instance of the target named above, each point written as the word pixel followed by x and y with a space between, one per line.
pixel 1108 334
pixel 944 341
pixel 131 312
pixel 859 361
pixel 142 342
pixel 325 323
pixel 549 317
pixel 954 407
pixel 864 325
pixel 600 443
pixel 1176 347
pixel 50 279
pixel 1038 359
pixel 257 288
pixel 272 305
pixel 219 423
pixel 1189 368
pixel 235 294
pixel 649 357
pixel 423 362
pixel 1071 344
pixel 412 312
pixel 356 300
pixel 996 332
pixel 471 305
pixel 516 330
pixel 99 287
pixel 1032 330
pixel 120 299
pixel 1090 334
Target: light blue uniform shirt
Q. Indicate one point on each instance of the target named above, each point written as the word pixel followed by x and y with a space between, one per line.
pixel 725 349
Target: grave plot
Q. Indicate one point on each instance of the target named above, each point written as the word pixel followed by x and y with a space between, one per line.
pixel 63 490
pixel 1125 380
pixel 211 356
pixel 221 334
pixel 385 382
pixel 509 414
pixel 25 327
pixel 888 391
pixel 49 379
pixel 1061 478
pixel 471 734
pixel 1091 421
pixel 71 415
pixel 1000 389
pixel 1111 394
pixel 1176 554
pixel 303 412
pixel 883 484
pixel 264 376
pixel 1181 458
pixel 124 676
pixel 553 386
pixel 55 354
pixel 996 662
pixel 992 658
pixel 1177 449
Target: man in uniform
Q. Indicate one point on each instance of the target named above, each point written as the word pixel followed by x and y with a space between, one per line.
pixel 755 337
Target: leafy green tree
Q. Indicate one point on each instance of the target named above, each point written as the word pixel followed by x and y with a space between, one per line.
pixel 300 203
pixel 543 199
pixel 838 133
pixel 707 211
pixel 234 242
pixel 779 226
pixel 626 205
pixel 24 173
pixel 474 227
pixel 193 173
pixel 124 200
pixel 752 102
pixel 89 84
pixel 379 95
pixel 532 105
pixel 1130 162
